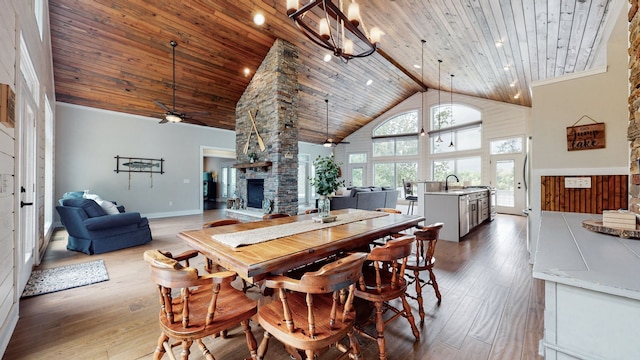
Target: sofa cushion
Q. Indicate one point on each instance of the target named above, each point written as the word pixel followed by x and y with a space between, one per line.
pixel 89 206
pixel 354 191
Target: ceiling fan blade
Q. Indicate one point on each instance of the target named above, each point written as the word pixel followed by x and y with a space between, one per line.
pixel 198 113
pixel 163 106
pixel 163 121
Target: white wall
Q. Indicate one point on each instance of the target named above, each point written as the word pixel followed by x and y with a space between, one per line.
pixel 600 94
pixel 17 19
pixel 89 139
pixel 499 120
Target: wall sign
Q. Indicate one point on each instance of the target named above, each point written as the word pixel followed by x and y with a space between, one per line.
pixel 7 106
pixel 586 137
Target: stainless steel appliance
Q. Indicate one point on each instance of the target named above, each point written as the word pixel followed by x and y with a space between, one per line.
pixel 463 218
pixel 473 212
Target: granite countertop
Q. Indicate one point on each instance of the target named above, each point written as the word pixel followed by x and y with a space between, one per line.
pixel 569 254
pixel 456 192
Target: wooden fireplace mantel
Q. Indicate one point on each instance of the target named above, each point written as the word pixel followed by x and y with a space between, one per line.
pixel 265 165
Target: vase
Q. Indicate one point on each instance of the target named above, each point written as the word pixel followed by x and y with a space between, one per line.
pixel 323 206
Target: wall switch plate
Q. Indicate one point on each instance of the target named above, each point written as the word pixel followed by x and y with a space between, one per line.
pixel 577 182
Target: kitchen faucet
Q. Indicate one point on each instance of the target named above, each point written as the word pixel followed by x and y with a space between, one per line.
pixel 446 182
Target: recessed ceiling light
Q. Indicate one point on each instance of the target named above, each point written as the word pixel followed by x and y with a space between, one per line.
pixel 369 82
pixel 513 84
pixel 416 66
pixel 506 68
pixel 499 43
pixel 258 19
pixel 327 58
pixel 247 71
pixel 516 96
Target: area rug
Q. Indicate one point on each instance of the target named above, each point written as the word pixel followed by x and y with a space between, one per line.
pixel 65 277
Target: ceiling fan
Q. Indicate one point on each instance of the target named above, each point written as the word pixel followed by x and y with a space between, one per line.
pixel 329 142
pixel 172 115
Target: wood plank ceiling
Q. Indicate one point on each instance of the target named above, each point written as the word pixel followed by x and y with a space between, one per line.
pixel 115 54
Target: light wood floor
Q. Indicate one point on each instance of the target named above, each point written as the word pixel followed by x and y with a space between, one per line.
pixel 491 306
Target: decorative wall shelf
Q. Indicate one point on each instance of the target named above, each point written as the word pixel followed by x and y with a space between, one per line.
pixel 265 165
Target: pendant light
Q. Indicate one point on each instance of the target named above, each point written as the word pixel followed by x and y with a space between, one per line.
pixel 451 124
pixel 439 139
pixel 422 132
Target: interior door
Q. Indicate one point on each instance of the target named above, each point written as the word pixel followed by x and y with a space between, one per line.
pixel 27 186
pixel 507 178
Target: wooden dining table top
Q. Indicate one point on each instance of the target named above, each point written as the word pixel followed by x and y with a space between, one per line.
pixel 254 262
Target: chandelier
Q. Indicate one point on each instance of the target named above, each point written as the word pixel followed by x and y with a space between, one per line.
pixel 336 31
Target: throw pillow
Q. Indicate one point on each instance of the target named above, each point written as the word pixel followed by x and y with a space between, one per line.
pixel 108 207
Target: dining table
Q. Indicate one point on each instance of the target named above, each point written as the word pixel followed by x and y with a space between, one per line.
pixel 257 249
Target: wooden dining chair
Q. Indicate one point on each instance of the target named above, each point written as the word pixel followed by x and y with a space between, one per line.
pixel 315 311
pixel 383 280
pixel 206 305
pixel 273 216
pixel 210 265
pixel 423 260
pixel 389 210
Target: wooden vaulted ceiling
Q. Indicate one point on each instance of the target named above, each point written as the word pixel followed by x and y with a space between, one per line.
pixel 115 54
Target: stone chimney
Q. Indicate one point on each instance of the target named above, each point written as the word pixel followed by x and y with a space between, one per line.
pixel 273 93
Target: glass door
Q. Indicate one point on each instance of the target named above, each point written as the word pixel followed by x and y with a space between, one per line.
pixel 227 181
pixel 506 175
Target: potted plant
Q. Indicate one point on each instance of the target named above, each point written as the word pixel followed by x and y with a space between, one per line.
pixel 253 157
pixel 326 181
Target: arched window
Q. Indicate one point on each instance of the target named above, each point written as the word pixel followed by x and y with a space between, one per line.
pixel 403 124
pixel 455 139
pixel 395 150
pixel 455 128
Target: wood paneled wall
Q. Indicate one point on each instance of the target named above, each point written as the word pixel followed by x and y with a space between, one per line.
pixel 607 192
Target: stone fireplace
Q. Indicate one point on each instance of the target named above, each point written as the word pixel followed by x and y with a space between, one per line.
pixel 271 98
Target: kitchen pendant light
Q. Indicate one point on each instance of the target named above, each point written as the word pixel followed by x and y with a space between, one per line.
pixel 422 132
pixel 439 139
pixel 451 124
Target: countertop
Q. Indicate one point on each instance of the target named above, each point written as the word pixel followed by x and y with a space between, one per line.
pixel 456 192
pixel 569 254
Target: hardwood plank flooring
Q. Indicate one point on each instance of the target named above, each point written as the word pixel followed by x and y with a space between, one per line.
pixel 491 306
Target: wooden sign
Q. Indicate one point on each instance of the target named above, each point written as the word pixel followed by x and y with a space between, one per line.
pixel 586 137
pixel 7 106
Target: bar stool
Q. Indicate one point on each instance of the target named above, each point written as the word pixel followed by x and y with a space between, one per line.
pixel 409 195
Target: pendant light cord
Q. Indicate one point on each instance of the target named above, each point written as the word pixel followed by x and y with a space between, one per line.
pixel 451 124
pixel 422 132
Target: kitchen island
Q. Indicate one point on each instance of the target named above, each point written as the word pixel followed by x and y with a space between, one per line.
pixel 592 290
pixel 460 210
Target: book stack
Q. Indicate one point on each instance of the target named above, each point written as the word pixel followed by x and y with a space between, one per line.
pixel 621 219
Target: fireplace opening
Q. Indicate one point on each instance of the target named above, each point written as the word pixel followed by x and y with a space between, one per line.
pixel 255 193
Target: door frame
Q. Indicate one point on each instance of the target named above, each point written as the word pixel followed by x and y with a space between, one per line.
pixel 519 187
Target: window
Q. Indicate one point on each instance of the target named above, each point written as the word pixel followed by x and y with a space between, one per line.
pixel 506 146
pixel 357 158
pixel 455 128
pixel 403 124
pixel 395 150
pixel 38 10
pixel 303 176
pixel 467 169
pixel 391 174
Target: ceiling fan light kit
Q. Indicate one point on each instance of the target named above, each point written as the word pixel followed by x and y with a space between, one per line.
pixel 335 30
pixel 171 115
pixel 329 142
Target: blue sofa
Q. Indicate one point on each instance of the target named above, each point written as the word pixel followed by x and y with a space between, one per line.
pixel 366 198
pixel 93 231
